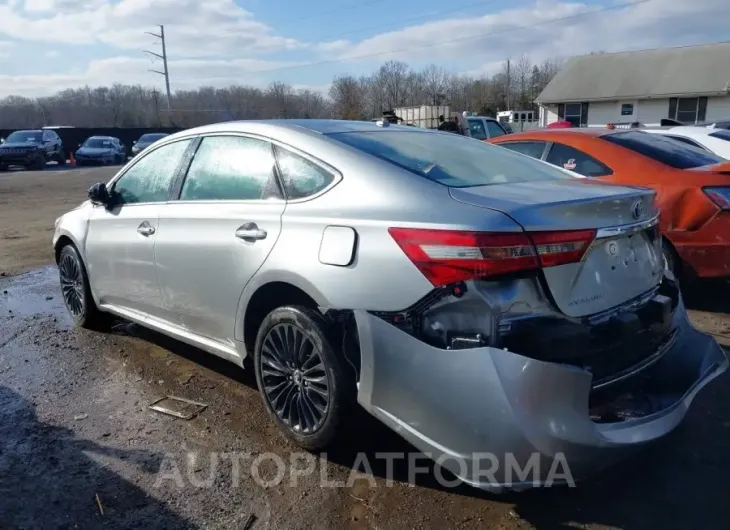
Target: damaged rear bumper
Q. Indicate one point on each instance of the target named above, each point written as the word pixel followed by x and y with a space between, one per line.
pixel 498 419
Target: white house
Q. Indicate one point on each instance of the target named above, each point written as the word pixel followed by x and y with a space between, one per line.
pixel 690 84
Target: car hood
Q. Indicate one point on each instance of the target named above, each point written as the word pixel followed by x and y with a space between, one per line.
pixel 143 145
pixel 15 145
pixel 94 150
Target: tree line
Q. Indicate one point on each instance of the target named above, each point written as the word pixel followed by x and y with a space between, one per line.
pixel 394 84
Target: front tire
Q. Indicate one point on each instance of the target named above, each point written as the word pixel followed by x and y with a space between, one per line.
pixel 301 378
pixel 76 292
pixel 40 163
pixel 61 159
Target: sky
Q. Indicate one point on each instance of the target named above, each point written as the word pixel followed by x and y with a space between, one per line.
pixel 51 45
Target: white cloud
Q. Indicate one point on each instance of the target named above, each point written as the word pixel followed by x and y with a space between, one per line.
pixel 217 42
pixel 188 73
pixel 537 30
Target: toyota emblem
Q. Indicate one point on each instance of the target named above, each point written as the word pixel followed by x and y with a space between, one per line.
pixel 638 209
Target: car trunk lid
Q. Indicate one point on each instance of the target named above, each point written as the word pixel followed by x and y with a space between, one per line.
pixel 624 259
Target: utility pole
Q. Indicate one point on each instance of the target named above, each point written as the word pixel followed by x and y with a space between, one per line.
pixel 165 73
pixel 509 81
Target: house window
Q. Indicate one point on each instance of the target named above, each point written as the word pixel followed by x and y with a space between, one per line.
pixel 688 110
pixel 575 113
pixel 627 109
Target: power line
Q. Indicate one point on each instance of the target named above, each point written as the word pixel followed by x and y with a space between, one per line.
pixel 165 73
pixel 441 43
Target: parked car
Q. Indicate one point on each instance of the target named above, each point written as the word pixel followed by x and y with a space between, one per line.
pixel 692 185
pixel 101 150
pixel 713 140
pixel 31 149
pixel 484 127
pixel 145 141
pixel 473 299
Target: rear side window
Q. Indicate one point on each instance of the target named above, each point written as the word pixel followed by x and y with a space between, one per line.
pixel 476 127
pixel 533 149
pixel 494 129
pixel 449 159
pixel 301 178
pixel 149 179
pixel 664 150
pixel 575 160
pixel 722 134
pixel 231 168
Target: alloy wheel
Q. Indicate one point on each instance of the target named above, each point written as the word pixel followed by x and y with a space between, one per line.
pixel 294 378
pixel 72 285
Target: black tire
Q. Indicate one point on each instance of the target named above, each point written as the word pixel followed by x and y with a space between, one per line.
pixel 304 415
pixel 75 282
pixel 40 163
pixel 3 167
pixel 61 159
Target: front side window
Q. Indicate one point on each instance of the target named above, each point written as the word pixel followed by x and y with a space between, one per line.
pixel 449 160
pixel 476 127
pixel 232 168
pixel 149 179
pixel 575 160
pixel 533 149
pixel 301 178
pixel 494 129
pixel 664 150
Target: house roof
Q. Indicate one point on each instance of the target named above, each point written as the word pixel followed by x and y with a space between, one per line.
pixel 688 70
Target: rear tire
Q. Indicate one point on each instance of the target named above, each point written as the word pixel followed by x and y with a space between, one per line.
pixel 76 292
pixel 61 160
pixel 300 376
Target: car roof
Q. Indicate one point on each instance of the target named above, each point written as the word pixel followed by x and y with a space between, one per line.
pixel 101 138
pixel 595 132
pixel 307 126
pixel 29 131
pixel 684 130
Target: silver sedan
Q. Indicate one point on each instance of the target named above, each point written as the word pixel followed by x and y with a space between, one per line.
pixel 473 299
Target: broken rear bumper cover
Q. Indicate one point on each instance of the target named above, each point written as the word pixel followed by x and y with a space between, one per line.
pixel 458 406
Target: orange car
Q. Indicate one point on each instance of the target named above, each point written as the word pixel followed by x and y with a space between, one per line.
pixel 692 185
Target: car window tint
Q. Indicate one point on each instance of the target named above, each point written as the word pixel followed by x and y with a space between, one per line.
pixel 477 129
pixel 494 129
pixel 663 150
pixel 301 178
pixel 687 141
pixel 533 149
pixel 722 134
pixel 575 160
pixel 231 168
pixel 449 159
pixel 149 179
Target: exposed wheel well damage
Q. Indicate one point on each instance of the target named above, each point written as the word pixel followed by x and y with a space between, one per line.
pixel 62 242
pixel 268 297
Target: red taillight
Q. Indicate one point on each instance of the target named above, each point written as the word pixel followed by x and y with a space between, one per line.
pixel 447 257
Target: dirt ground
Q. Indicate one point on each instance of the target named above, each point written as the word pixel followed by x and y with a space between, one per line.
pixel 79 447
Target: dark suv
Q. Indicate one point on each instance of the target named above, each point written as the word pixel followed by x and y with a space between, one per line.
pixel 32 149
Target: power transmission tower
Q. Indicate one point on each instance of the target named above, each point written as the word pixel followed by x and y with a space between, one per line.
pixel 165 73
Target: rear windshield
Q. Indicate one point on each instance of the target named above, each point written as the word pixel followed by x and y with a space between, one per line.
pixel 450 159
pixel 664 150
pixel 722 134
pixel 98 143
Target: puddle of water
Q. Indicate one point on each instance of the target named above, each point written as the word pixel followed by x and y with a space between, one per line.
pixel 34 293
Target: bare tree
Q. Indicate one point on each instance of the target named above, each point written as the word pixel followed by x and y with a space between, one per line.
pixel 435 79
pixel 347 98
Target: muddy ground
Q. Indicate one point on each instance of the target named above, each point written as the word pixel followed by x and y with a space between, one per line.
pixel 79 447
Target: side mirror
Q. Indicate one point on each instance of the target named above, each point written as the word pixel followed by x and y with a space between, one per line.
pixel 99 195
pixel 134 142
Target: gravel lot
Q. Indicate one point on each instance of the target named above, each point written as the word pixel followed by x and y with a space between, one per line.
pixel 80 449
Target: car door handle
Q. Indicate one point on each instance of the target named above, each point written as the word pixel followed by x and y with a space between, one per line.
pixel 146 229
pixel 250 232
